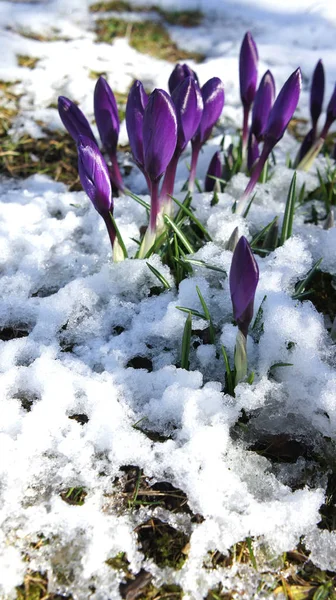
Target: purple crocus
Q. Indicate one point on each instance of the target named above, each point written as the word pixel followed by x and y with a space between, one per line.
pixel 279 117
pixel 307 160
pixel 213 101
pixel 159 143
pixel 94 177
pixel 317 94
pixel 73 119
pixel 243 278
pixel 248 75
pixel 252 151
pixel 188 102
pixel 214 170
pixel 135 108
pixel 107 119
pixel 263 103
pixel 180 73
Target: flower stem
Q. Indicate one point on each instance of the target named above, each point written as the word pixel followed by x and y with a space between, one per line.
pixel 110 227
pixel 245 131
pixel 254 178
pixel 194 158
pixel 115 174
pixel 167 189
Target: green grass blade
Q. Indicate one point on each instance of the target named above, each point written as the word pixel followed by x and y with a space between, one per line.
pixel 179 234
pixel 230 383
pixel 186 344
pixel 191 216
pixel 300 290
pixel 259 236
pixel 138 200
pixel 118 235
pixel 159 275
pixel 287 224
pixel 202 263
pixel 192 311
pixel 207 315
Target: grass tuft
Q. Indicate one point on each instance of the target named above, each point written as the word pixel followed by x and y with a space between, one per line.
pixel 29 62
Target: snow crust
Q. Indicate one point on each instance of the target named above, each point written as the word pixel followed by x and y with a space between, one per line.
pixel 86 318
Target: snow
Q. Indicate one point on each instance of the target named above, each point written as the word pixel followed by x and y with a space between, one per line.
pixel 60 287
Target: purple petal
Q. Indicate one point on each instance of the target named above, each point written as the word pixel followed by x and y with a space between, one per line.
pixel 317 93
pixel 215 170
pixel 262 105
pixel 94 175
pixel 248 69
pixel 159 133
pixel 213 99
pixel 73 119
pixel 180 73
pixel 188 103
pixel 243 278
pixel 136 103
pixel 252 151
pixel 106 114
pixel 331 108
pixel 283 109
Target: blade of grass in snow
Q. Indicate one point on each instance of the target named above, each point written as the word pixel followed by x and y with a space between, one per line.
pixel 138 200
pixel 192 311
pixel 229 379
pixel 259 236
pixel 207 315
pixel 202 263
pixel 300 290
pixel 159 275
pixel 118 235
pixel 179 233
pixel 186 344
pixel 193 218
pixel 287 224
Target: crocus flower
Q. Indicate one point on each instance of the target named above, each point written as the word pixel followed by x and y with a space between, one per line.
pixel 263 103
pixel 252 151
pixel 159 143
pixel 279 117
pixel 248 74
pixel 73 119
pixel 243 279
pixel 213 100
pixel 317 94
pixel 107 119
pixel 180 73
pixel 214 170
pixel 135 108
pixel 188 102
pixel 308 159
pixel 94 177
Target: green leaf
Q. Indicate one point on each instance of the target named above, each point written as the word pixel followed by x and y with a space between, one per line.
pixel 287 224
pixel 191 216
pixel 138 200
pixel 279 364
pixel 300 289
pixel 159 275
pixel 202 263
pixel 249 206
pixel 118 235
pixel 259 236
pixel 251 553
pixel 180 235
pixel 229 379
pixel 192 311
pixel 186 344
pixel 207 315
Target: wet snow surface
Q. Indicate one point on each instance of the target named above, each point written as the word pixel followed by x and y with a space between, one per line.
pixel 71 323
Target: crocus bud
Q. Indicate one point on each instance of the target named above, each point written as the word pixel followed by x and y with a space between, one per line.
pixel 73 119
pixel 317 93
pixel 159 133
pixel 94 175
pixel 283 109
pixel 214 170
pixel 306 145
pixel 331 109
pixel 180 73
pixel 213 100
pixel 106 114
pixel 248 69
pixel 135 108
pixel 263 103
pixel 188 103
pixel 243 278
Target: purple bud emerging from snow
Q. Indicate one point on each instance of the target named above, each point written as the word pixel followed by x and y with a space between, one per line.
pixel 188 103
pixel 135 108
pixel 248 69
pixel 283 109
pixel 213 100
pixel 263 103
pixel 306 145
pixel 180 73
pixel 215 170
pixel 252 151
pixel 94 175
pixel 244 277
pixel 331 108
pixel 73 119
pixel 159 133
pixel 106 114
pixel 317 93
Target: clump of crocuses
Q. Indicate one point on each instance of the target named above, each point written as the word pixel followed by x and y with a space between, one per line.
pixel 243 278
